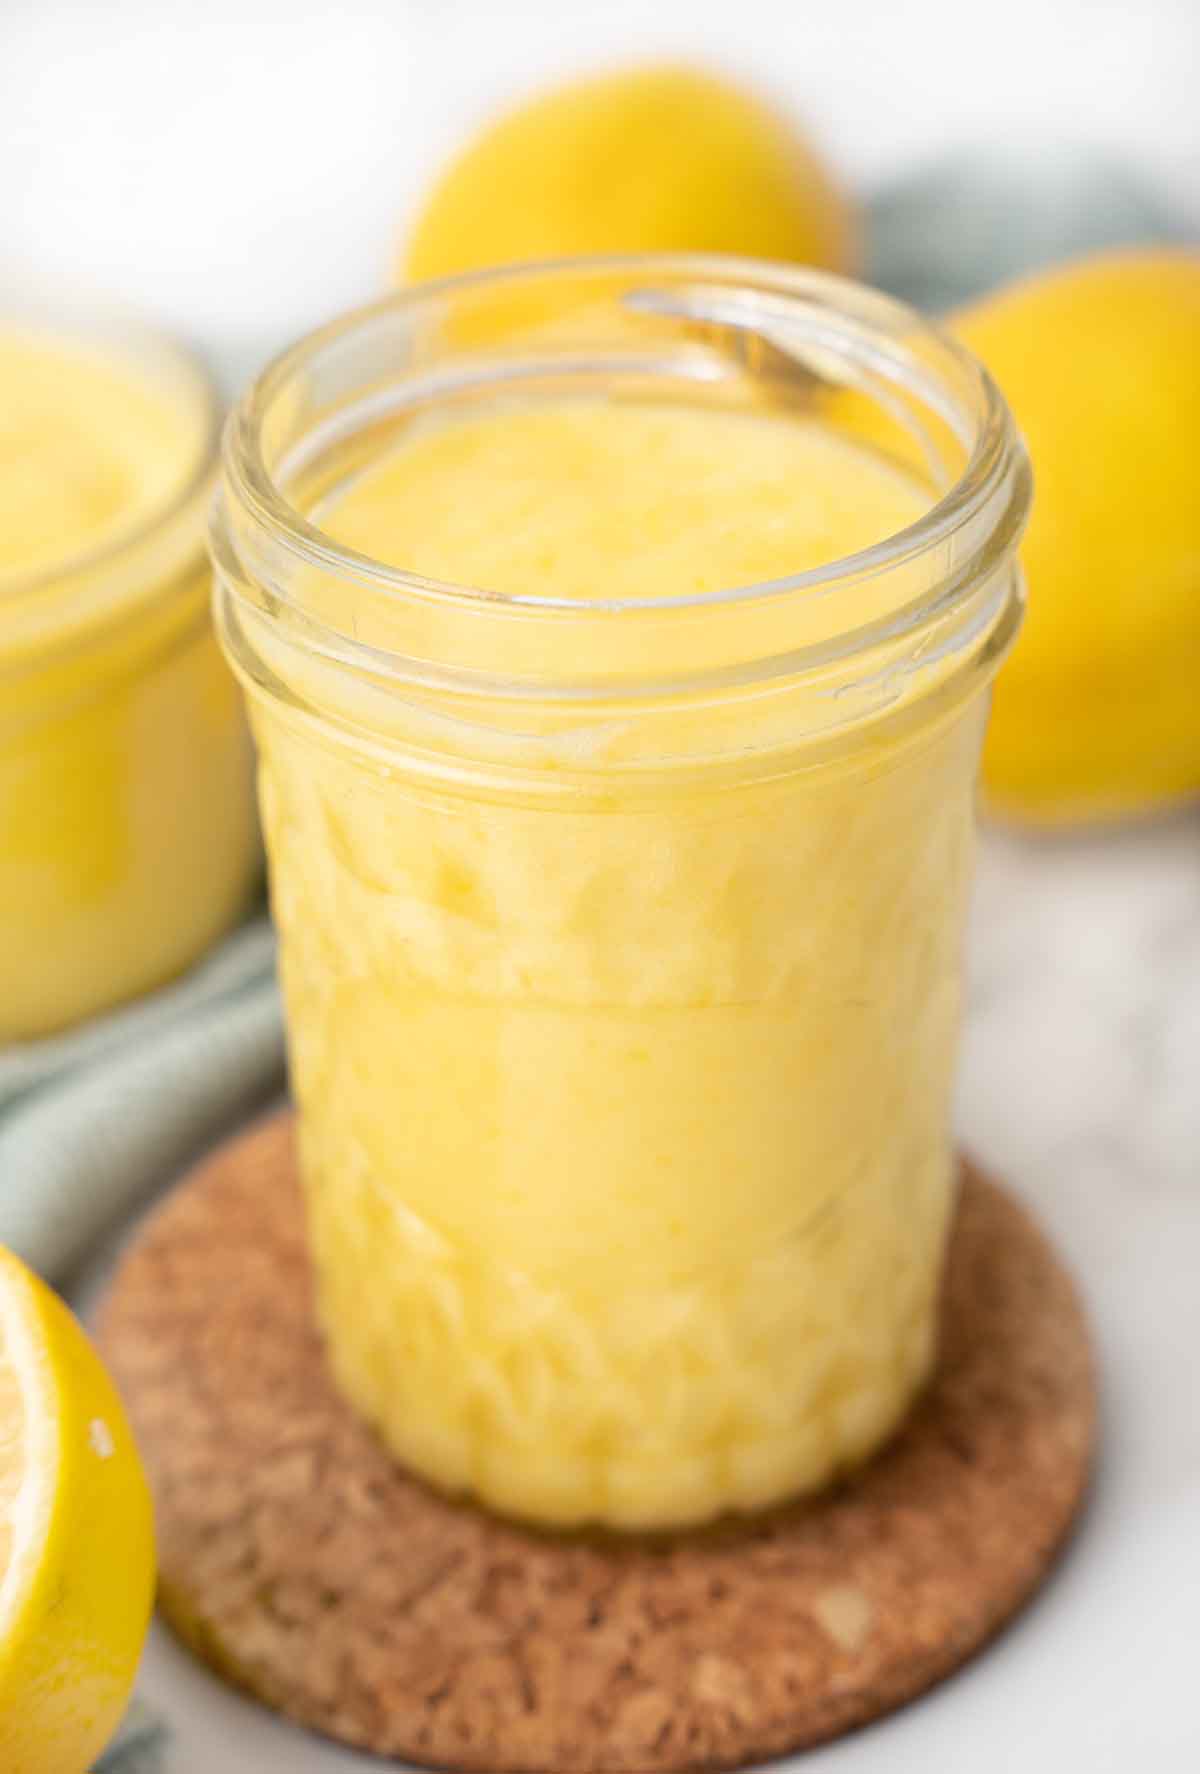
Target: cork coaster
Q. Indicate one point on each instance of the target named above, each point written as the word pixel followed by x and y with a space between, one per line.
pixel 308 1568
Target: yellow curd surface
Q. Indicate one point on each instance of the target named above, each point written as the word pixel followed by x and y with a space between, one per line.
pixel 624 1120
pixel 126 821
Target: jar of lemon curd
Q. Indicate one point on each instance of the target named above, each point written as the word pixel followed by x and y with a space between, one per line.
pixel 127 830
pixel 617 638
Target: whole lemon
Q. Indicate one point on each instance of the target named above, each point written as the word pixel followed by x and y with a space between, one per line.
pixel 1097 713
pixel 652 159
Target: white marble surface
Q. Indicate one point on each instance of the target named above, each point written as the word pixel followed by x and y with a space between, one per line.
pixel 1081 1085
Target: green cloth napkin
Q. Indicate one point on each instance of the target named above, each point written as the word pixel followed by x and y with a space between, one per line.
pixel 93 1121
pixel 979 216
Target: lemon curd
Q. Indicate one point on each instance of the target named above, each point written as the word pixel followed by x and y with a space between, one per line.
pixel 126 819
pixel 620 910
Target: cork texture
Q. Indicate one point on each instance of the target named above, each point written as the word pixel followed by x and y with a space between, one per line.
pixel 308 1568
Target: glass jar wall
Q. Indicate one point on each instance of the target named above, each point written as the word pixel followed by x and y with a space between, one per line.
pixel 127 830
pixel 617 638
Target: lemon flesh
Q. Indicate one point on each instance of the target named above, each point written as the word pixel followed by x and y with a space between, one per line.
pixel 76 1538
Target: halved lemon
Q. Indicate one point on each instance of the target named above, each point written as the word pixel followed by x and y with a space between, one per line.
pixel 76 1538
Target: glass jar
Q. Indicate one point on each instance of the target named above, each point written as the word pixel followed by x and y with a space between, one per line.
pixel 128 837
pixel 621 937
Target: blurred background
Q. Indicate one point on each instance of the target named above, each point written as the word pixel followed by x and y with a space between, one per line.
pixel 243 168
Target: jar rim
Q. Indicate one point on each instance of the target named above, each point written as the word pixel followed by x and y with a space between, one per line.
pixel 250 479
pixel 122 337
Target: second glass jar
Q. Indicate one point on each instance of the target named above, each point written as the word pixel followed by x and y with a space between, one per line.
pixel 128 839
